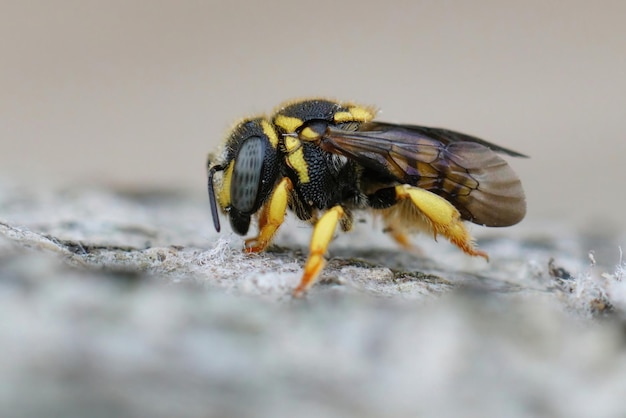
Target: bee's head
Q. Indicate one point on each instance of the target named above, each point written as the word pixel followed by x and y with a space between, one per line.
pixel 250 170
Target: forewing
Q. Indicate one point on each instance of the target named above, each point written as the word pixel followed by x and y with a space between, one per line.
pixel 464 170
pixel 445 136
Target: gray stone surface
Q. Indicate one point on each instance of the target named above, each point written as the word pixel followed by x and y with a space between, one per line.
pixel 126 303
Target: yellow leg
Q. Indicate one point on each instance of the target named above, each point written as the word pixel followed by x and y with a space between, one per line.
pixel 403 240
pixel 322 234
pixel 272 216
pixel 444 218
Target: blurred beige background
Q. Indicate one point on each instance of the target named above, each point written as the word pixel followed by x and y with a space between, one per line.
pixel 135 93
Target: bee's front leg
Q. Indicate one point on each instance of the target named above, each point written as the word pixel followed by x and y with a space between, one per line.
pixel 271 218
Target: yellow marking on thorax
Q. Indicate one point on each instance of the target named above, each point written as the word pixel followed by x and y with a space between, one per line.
pixel 295 158
pixel 309 134
pixel 297 163
pixel 223 195
pixel 291 144
pixel 288 123
pixel 355 114
pixel 270 132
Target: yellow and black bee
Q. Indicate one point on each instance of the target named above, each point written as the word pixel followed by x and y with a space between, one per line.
pixel 323 159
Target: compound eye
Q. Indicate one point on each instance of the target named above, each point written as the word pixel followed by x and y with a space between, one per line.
pixel 246 180
pixel 313 130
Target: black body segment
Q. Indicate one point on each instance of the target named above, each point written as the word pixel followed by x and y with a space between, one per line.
pixel 312 109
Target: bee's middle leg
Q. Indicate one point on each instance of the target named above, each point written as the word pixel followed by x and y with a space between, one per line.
pixel 322 234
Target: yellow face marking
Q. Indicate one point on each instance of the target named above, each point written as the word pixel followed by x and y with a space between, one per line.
pixel 270 132
pixel 287 123
pixel 223 196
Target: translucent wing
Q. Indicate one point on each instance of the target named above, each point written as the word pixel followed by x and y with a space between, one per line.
pixel 465 170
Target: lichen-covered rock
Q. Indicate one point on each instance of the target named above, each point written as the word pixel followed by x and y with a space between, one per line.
pixel 128 304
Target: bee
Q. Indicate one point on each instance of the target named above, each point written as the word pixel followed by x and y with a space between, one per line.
pixel 324 159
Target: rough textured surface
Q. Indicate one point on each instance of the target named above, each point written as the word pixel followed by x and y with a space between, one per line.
pixel 117 303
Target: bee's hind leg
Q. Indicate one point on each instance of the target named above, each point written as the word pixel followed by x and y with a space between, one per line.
pixel 439 215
